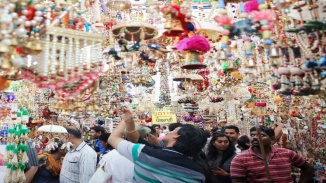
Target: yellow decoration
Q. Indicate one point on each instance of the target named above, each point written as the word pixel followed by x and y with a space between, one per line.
pixel 267 34
pixel 4 84
pixel 250 105
pixel 278 99
pixel 236 75
pixel 263 6
pixel 225 40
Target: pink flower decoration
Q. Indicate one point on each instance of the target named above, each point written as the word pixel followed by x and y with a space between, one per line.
pixel 223 20
pixel 251 6
pixel 194 43
pixel 266 15
pixel 182 44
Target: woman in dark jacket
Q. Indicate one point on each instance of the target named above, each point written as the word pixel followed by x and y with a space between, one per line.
pixel 221 151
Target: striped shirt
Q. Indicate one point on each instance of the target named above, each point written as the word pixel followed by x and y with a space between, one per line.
pixel 250 166
pixel 32 155
pixel 160 165
pixel 78 165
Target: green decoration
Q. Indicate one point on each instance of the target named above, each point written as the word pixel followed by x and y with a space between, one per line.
pixel 14 167
pixel 16 150
pixel 17 133
pixel 24 147
pixel 9 165
pixel 11 131
pixel 10 147
pixel 224 66
pixel 23 167
pixel 25 112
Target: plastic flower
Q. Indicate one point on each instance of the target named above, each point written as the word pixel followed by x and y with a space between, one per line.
pixel 259 16
pixel 194 43
pixel 223 20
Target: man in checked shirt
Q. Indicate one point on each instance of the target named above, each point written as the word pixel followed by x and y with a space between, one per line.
pixel 79 164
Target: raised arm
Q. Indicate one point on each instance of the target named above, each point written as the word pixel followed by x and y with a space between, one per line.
pixel 127 123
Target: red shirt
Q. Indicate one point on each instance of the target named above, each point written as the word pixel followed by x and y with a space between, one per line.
pixel 250 166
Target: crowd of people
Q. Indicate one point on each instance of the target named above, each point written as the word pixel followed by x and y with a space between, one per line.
pixel 175 153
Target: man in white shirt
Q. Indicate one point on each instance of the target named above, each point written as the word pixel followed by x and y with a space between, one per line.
pixel 121 168
pixel 79 164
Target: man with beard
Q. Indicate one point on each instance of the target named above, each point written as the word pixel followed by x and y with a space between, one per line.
pixel 248 167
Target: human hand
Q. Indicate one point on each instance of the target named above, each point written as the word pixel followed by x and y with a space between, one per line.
pixel 126 114
pixel 219 172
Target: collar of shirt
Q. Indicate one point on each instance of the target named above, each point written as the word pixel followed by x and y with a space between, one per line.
pixel 252 153
pixel 79 147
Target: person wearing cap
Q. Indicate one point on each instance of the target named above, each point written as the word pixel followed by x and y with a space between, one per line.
pixel 172 164
pixel 120 168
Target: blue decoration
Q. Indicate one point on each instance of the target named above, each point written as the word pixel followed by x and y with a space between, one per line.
pixel 242 26
pixel 229 55
pixel 260 1
pixel 248 53
pixel 190 26
pixel 87 26
pixel 224 46
pixel 311 64
pixel 153 46
pixel 268 42
pixel 323 74
pixel 242 8
pixel 221 4
pixel 322 61
pixel 134 47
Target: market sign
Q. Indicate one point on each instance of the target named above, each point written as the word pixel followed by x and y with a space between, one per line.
pixel 163 116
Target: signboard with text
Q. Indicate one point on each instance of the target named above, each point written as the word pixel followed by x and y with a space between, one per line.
pixel 163 116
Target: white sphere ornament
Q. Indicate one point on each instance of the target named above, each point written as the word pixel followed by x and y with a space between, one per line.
pixel 38 7
pixel 12 6
pixel 38 13
pixel 19 21
pixel 7 42
pixel 14 15
pixel 21 32
pixel 33 22
pixel 25 12
pixel 28 23
pixel 17 61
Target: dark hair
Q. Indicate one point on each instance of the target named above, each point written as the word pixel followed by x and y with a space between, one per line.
pixel 270 132
pixel 173 126
pixel 243 141
pixel 235 128
pixel 164 127
pixel 154 126
pixel 212 151
pixel 191 141
pixel 207 133
pixel 98 129
pixel 56 148
pixel 75 132
pixel 213 130
pixel 104 137
pixel 153 130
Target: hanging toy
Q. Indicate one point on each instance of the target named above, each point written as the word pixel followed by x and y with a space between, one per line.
pixel 123 42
